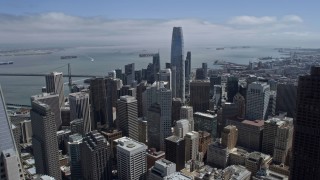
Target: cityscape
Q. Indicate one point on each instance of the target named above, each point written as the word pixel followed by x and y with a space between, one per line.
pixel 169 118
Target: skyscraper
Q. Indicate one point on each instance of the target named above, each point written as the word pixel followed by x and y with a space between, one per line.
pixel 192 145
pixel 229 136
pixel 129 72
pixel 154 117
pixel 127 115
pixel 188 71
pixel 9 157
pixel 44 140
pixel 156 65
pixel 232 88
pixel 98 98
pixel 186 112
pixel 53 101
pixel 286 99
pixel 177 60
pixel 95 157
pixel 175 151
pixel 258 95
pixel 199 95
pixel 165 75
pixel 131 157
pixel 80 109
pixel 74 145
pixel 306 138
pixel 54 84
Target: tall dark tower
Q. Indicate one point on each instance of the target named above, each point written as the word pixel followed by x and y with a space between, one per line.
pixel 306 140
pixel 177 60
pixel 98 98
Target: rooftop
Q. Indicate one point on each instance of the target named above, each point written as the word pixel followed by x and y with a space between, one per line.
pixel 258 123
pixel 174 138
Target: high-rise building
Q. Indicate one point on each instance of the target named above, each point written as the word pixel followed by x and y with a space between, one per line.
pixel 217 95
pixel 118 73
pixel 9 158
pixel 175 151
pixel 76 126
pixel 186 112
pixel 240 102
pixel 257 160
pixel 153 155
pixel 131 157
pixel 154 118
pixel 98 98
pixel 54 84
pixel 214 80
pixel 200 74
pixel 74 149
pixel 138 76
pixel 199 95
pixel 127 115
pixel 205 122
pixel 306 138
pixel 249 133
pixel 177 60
pixel 217 155
pixel 269 134
pixel 53 101
pixel 176 106
pixel 165 75
pixel 229 136
pixel 140 89
pixel 143 130
pixel 271 110
pixel 228 111
pixel 44 140
pixel 205 70
pixel 258 95
pixel 286 99
pixel 283 142
pixel 65 117
pixel 204 140
pixel 129 72
pixel 161 168
pixel 232 87
pixel 80 109
pixel 192 145
pixel 95 157
pixel 156 65
pixel 188 71
pixel 26 131
pixel 181 128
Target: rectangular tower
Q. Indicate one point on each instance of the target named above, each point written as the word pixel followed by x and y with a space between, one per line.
pixel 80 109
pixel 54 84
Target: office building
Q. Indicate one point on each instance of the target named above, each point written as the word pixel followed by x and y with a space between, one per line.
pixel 200 74
pixel 128 90
pixel 181 128
pixel 286 99
pixel 238 156
pixel 228 111
pixel 131 157
pixel 10 164
pixel 51 100
pixel 80 109
pixel 175 151
pixel 204 140
pixel 127 115
pixel 240 102
pixel 65 117
pixel 306 128
pixel 186 112
pixel 236 172
pixel 205 122
pixel 205 70
pixel 188 71
pixel 232 87
pixel 283 142
pixel 199 95
pixel 44 140
pixel 54 84
pixel 142 130
pixel 98 98
pixel 118 73
pixel 129 72
pixel 217 155
pixel 249 133
pixel 154 118
pixel 258 95
pixel 142 86
pixel 178 176
pixel 26 131
pixel 217 95
pixel 138 76
pixel 76 126
pixel 156 65
pixel 192 145
pixel 153 155
pixel 95 157
pixel 229 136
pixel 214 80
pixel 74 149
pixel 165 75
pixel 177 60
pixel 161 169
pixel 271 110
pixel 176 106
pixel 256 160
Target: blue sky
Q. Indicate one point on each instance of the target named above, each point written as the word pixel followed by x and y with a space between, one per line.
pixel 268 22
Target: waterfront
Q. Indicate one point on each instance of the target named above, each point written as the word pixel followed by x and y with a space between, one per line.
pixel 19 89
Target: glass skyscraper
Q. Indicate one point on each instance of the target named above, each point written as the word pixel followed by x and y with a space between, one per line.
pixel 177 61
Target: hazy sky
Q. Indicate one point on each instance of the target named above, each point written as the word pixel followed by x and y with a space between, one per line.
pixel 149 22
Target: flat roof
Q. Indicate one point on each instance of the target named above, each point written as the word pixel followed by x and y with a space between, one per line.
pixel 257 123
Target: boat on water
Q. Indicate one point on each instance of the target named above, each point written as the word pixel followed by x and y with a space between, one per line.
pixel 68 57
pixel 265 58
pixel 220 48
pixel 6 63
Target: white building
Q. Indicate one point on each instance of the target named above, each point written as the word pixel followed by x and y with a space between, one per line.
pixel 161 168
pixel 258 94
pixel 165 75
pixel 131 156
pixel 192 145
pixel 181 128
pixel 80 109
pixel 186 112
